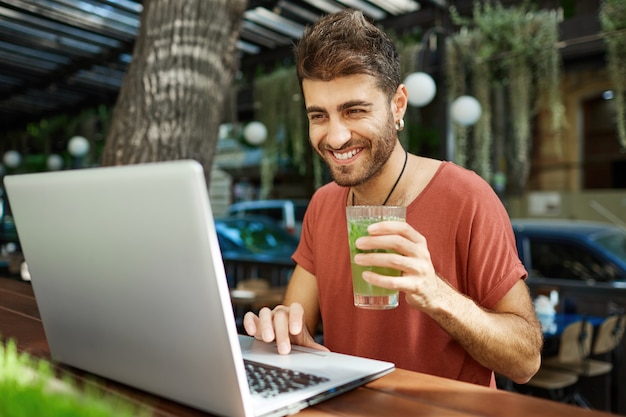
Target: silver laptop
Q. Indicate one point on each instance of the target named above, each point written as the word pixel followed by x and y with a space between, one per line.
pixel 130 284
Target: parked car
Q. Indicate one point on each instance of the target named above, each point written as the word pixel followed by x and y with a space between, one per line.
pixel 288 213
pixel 254 237
pixel 578 252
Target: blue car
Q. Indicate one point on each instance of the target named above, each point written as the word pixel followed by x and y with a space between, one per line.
pixel 578 252
pixel 255 247
pixel 255 237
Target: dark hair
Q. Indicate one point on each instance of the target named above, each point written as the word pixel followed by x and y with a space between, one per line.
pixel 346 43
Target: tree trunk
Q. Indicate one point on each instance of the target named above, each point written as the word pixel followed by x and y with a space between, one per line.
pixel 171 102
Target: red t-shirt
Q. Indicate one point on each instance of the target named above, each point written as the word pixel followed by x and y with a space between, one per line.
pixel 472 245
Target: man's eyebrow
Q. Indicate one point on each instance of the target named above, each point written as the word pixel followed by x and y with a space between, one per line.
pixel 341 107
pixel 315 109
pixel 353 103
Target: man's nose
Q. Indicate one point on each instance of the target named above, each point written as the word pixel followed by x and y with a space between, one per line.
pixel 338 133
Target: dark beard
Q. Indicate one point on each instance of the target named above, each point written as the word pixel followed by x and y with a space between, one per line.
pixel 343 175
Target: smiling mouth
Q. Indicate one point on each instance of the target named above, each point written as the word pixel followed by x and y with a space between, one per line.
pixel 346 155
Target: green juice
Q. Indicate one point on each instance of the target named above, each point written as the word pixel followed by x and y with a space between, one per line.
pixel 367 295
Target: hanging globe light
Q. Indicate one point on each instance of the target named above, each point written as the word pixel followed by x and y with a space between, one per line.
pixel 78 146
pixel 465 110
pixel 255 133
pixel 12 159
pixel 54 162
pixel 421 88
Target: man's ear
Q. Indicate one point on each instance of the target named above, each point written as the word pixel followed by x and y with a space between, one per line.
pixel 399 102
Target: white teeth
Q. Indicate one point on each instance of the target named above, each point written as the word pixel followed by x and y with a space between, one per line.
pixel 346 155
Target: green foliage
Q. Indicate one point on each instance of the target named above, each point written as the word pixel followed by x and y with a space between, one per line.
pixel 613 21
pixel 28 387
pixel 50 135
pixel 514 48
pixel 280 106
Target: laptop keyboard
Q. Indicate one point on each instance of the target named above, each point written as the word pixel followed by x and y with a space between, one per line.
pixel 269 381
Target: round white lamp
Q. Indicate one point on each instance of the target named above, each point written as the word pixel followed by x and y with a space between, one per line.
pixel 465 110
pixel 54 162
pixel 255 133
pixel 12 159
pixel 78 146
pixel 421 88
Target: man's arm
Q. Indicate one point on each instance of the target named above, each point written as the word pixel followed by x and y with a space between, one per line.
pixel 302 289
pixel 293 322
pixel 506 339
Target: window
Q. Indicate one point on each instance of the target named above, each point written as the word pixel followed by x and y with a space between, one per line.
pixel 565 260
pixel 275 213
pixel 603 164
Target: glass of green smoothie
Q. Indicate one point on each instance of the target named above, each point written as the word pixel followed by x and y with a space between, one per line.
pixel 359 218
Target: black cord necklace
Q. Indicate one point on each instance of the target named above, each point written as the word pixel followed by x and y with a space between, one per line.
pixel 406 158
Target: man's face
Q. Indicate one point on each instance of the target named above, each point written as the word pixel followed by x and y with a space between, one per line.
pixel 351 126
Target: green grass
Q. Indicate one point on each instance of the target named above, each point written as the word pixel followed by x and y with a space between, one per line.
pixel 29 387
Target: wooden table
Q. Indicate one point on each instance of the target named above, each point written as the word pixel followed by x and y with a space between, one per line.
pixel 401 393
pixel 255 299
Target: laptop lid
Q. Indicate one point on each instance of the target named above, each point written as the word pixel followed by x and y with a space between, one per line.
pixel 128 276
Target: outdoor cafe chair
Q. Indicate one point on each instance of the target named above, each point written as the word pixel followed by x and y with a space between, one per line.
pixel 609 334
pixel 576 355
pixel 554 382
pixel 574 345
pixel 607 338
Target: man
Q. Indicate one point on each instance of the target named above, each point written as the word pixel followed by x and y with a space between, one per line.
pixel 466 310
